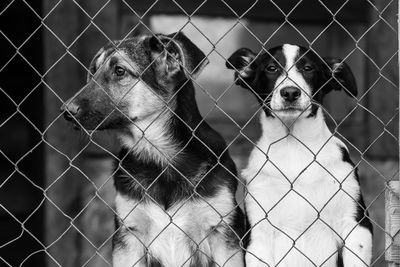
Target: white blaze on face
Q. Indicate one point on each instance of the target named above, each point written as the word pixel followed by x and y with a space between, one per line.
pixel 291 77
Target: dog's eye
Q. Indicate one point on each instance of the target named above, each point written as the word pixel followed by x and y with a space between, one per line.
pixel 119 71
pixel 308 68
pixel 271 68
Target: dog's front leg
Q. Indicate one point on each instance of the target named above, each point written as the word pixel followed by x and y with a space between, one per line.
pixel 357 250
pixel 128 251
pixel 260 250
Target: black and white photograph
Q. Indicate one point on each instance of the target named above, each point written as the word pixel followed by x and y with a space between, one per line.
pixel 199 133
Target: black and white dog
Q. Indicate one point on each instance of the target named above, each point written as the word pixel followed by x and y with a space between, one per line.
pixel 304 202
pixel 175 180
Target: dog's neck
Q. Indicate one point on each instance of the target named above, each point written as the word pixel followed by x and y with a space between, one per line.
pixel 308 130
pixel 163 136
pixel 150 140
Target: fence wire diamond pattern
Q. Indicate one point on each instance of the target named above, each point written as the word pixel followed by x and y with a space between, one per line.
pixel 90 200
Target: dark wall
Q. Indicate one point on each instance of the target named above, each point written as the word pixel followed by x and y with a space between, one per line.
pixel 21 115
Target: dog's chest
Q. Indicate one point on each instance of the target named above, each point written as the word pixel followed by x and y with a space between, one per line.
pixel 170 235
pixel 297 186
pixel 191 216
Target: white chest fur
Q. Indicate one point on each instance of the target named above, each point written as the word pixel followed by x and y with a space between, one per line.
pixel 169 236
pixel 304 191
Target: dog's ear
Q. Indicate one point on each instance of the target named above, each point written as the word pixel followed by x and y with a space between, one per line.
pixel 242 61
pixel 175 52
pixel 93 65
pixel 342 77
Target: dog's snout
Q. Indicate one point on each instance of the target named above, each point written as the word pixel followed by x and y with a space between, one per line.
pixel 290 94
pixel 69 110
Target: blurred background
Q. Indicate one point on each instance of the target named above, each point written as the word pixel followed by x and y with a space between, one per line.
pixel 56 189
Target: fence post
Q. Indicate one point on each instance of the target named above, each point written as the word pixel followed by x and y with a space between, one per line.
pixel 392 207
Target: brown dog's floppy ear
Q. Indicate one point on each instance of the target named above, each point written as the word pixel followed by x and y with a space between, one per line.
pixel 175 52
pixel 242 61
pixel 342 77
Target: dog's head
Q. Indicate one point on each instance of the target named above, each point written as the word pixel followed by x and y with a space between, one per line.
pixel 134 79
pixel 290 81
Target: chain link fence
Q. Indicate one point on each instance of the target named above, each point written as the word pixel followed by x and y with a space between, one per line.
pixel 56 186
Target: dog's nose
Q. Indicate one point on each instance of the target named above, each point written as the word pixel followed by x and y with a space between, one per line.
pixel 290 94
pixel 69 110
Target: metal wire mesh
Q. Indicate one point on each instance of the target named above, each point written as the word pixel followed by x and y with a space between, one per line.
pixel 87 203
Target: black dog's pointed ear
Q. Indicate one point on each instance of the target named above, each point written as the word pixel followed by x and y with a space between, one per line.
pixel 242 61
pixel 342 77
pixel 175 52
